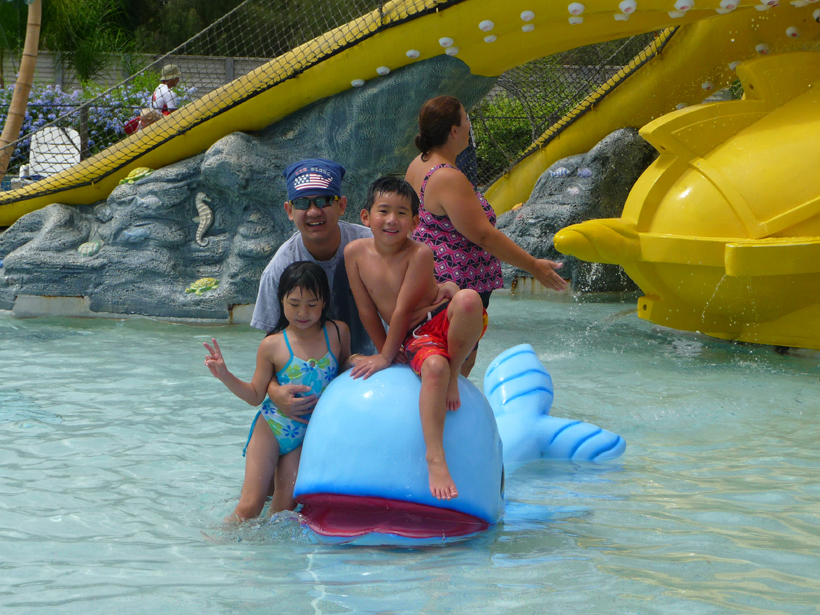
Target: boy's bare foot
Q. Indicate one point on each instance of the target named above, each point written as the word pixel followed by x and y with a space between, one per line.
pixel 453 397
pixel 441 483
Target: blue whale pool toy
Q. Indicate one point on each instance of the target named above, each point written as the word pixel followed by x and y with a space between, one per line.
pixel 363 477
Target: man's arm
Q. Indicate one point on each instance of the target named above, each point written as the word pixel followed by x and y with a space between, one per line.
pixel 284 397
pixel 344 351
pixel 368 313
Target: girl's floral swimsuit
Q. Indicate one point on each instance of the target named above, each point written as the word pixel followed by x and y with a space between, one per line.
pixel 315 373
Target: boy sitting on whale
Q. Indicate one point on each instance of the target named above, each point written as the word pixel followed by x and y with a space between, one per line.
pixel 392 277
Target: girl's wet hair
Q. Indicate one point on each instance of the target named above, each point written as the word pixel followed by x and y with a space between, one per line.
pixel 437 116
pixel 311 278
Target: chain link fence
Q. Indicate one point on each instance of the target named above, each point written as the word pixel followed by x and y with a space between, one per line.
pixel 530 99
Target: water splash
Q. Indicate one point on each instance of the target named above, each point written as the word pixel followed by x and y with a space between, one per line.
pixel 282 526
pixel 687 348
pixel 714 294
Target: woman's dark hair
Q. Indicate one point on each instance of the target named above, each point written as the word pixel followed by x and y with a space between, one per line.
pixel 390 184
pixel 437 116
pixel 309 277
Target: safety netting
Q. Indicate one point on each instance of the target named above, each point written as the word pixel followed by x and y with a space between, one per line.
pixel 63 128
pixel 531 104
pixel 70 129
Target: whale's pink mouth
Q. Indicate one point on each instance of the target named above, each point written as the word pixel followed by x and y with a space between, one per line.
pixel 337 515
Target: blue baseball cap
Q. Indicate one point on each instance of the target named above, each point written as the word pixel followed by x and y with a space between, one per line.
pixel 314 177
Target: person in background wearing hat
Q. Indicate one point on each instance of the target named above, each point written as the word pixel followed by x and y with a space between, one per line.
pixel 163 99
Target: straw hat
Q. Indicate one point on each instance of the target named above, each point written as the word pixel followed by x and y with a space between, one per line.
pixel 170 71
pixel 150 115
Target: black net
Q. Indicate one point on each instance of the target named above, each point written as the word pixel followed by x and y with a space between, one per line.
pixel 531 103
pixel 62 128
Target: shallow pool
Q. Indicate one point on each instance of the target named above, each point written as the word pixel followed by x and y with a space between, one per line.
pixel 120 455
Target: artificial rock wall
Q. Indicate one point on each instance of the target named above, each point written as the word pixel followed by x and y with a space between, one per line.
pixel 141 252
pixel 575 189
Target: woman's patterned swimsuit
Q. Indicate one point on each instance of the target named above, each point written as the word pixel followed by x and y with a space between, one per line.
pixel 457 258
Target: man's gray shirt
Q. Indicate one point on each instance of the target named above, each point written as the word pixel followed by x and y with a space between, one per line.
pixel 342 304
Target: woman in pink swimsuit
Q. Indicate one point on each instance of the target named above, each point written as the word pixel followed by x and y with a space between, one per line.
pixel 455 220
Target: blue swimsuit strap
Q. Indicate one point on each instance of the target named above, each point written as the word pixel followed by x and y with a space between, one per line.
pixel 287 343
pixel 327 342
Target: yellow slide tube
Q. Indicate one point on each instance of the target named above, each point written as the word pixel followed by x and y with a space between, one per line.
pixel 697 54
pixel 524 30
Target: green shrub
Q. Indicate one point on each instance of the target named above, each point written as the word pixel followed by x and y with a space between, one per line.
pixel 503 130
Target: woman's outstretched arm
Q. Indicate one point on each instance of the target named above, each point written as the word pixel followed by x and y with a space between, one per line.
pixel 453 193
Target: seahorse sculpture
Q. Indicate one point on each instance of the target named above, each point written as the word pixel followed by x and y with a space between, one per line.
pixel 204 219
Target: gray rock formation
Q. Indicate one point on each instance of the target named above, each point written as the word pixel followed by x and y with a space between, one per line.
pixel 573 190
pixel 140 250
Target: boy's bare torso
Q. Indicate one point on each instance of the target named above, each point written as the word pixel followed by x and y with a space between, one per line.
pixel 384 275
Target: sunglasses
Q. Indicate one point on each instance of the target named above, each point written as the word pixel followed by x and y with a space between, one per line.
pixel 303 203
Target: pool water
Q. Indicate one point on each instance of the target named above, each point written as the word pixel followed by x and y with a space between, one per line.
pixel 120 455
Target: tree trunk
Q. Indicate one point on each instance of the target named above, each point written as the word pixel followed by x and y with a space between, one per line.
pixel 25 79
pixel 84 150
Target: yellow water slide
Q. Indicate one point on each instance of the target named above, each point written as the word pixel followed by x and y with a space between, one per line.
pixel 489 36
pixel 722 232
pixel 680 68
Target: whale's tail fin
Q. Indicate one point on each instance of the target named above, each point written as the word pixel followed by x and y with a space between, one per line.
pixel 519 389
pixel 577 441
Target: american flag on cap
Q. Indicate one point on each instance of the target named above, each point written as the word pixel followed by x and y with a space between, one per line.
pixel 313 181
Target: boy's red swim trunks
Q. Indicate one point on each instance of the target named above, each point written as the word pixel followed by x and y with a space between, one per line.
pixel 430 337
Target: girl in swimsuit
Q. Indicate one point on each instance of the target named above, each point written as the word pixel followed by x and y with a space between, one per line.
pixel 303 332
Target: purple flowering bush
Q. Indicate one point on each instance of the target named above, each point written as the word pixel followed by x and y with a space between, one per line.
pixel 107 112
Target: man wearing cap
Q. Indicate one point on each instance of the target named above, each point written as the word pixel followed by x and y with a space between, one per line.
pixel 315 204
pixel 163 99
